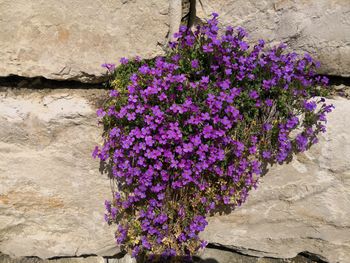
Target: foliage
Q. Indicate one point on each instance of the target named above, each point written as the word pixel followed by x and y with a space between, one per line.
pixel 192 131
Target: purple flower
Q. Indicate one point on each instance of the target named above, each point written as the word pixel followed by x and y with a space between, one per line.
pixel 268 102
pixel 145 243
pixel 203 244
pixel 253 94
pixel 124 61
pixel 266 154
pixel 114 93
pixel 144 69
pixel 195 63
pixel 194 128
pixel 292 123
pixel 106 218
pixel 310 106
pixel 208 48
pixel 109 66
pixel 243 45
pixel 149 140
pixel 114 132
pixel 205 80
pixel 324 80
pixel 225 84
pixel 188 147
pixel 161 219
pixel 135 251
pixel 207 131
pixel 95 152
pixel 100 113
pixel 301 142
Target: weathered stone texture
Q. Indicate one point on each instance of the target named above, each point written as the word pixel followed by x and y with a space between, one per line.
pixel 52 194
pixel 301 206
pixel 85 259
pixel 51 191
pixel 320 27
pixel 71 39
pixel 7 259
pixel 209 256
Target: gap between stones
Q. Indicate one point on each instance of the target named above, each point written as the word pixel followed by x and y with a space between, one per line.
pixel 18 82
pixel 305 257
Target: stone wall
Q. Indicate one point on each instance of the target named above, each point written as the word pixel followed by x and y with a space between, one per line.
pixel 51 190
pixel 320 27
pixel 51 193
pixel 70 39
pixel 301 206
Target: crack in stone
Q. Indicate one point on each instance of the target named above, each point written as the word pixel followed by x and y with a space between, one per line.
pixel 234 249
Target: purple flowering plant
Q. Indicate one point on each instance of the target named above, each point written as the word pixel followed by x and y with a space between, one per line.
pixel 189 133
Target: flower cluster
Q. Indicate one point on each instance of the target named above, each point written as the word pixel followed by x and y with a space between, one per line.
pixel 191 132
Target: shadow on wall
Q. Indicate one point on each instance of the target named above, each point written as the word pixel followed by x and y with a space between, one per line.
pixel 208 260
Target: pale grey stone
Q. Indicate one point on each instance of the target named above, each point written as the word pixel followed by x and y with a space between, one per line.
pixel 71 39
pixel 91 259
pixel 219 255
pixel 126 259
pixel 51 193
pixel 301 206
pixel 320 27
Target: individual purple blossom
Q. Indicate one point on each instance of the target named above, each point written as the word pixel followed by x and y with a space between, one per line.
pixel 95 152
pixel 301 141
pixel 135 251
pixel 208 48
pixel 225 84
pixel 188 147
pixel 100 113
pixel 195 63
pixel 215 15
pixel 266 154
pixel 124 61
pixel 310 106
pixel 243 45
pixel 269 102
pixel 253 94
pixel 292 122
pixel 106 218
pixel 113 93
pixel 144 69
pixel 114 132
pixel 149 140
pixel 145 243
pixel 109 66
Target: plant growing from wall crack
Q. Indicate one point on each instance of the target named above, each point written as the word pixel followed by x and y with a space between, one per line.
pixel 192 131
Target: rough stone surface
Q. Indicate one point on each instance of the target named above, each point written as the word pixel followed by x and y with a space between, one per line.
pixel 51 191
pixel 210 255
pixel 92 259
pixel 71 39
pixel 87 259
pixel 320 27
pixel 298 207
